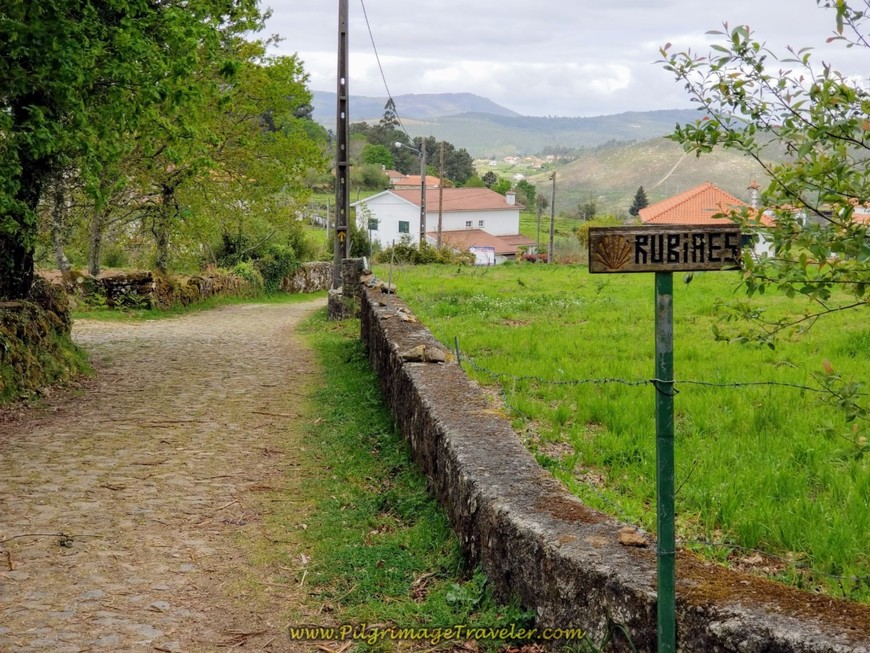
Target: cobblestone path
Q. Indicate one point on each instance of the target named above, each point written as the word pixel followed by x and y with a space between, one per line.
pixel 125 511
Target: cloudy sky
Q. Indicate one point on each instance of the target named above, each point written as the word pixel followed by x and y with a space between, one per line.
pixel 540 57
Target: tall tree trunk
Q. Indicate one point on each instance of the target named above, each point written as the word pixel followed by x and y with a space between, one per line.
pixel 18 231
pixel 59 214
pixel 162 224
pixel 16 265
pixel 95 248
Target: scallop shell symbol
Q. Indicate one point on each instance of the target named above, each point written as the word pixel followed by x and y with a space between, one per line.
pixel 613 252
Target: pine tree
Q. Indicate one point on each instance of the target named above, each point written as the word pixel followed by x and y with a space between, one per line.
pixel 391 116
pixel 640 201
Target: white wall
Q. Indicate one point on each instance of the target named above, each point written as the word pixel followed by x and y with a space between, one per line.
pixel 497 223
pixel 389 209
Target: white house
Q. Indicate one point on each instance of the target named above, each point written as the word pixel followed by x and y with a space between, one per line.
pixel 395 214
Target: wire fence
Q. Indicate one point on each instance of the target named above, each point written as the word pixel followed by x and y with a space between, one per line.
pixel 656 383
pixel 660 386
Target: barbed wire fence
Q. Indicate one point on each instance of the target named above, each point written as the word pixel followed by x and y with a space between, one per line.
pixel 499 377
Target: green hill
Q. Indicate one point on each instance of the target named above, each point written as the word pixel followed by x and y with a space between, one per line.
pixel 487 129
pixel 487 135
pixel 610 175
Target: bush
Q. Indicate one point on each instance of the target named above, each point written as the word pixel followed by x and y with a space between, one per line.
pixel 276 263
pixel 407 252
pixel 247 270
pixel 582 232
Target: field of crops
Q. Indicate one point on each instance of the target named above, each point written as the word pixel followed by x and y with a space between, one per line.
pixel 773 478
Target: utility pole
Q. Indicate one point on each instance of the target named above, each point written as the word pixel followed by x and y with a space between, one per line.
pixel 552 218
pixel 440 193
pixel 540 210
pixel 422 191
pixel 342 207
pixel 422 153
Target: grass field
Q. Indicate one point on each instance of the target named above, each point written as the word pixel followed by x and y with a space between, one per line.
pixel 774 472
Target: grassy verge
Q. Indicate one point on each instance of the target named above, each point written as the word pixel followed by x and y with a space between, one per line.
pixel 382 551
pixel 779 476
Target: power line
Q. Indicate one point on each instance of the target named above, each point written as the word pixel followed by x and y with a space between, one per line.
pixel 381 68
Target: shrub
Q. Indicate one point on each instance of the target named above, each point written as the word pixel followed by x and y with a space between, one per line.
pixel 582 232
pixel 407 252
pixel 276 263
pixel 248 271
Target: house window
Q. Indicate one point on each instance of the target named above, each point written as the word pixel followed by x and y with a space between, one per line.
pixel 468 224
pixel 480 224
pixel 373 224
pixel 404 227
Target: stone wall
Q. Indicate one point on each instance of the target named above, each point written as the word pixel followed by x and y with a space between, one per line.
pixel 573 566
pixel 311 277
pixel 145 289
pixel 35 348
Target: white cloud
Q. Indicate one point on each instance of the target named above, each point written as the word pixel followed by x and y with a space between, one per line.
pixel 548 57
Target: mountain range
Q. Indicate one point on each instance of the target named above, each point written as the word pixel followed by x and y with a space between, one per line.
pixel 615 153
pixel 487 129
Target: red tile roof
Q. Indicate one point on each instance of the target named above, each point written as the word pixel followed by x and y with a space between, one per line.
pixel 460 199
pixel 695 206
pixel 466 238
pixel 413 181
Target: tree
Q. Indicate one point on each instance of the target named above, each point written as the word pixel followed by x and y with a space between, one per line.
pixel 259 154
pixel 378 154
pixel 640 202
pixel 587 210
pixel 474 182
pixel 458 164
pixel 753 99
pixel 526 192
pixel 490 179
pixel 63 58
pixel 502 186
pixel 390 118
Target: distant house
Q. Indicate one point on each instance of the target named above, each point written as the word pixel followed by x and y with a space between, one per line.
pixel 471 218
pixel 487 249
pixel 697 206
pixel 412 182
pixel 394 176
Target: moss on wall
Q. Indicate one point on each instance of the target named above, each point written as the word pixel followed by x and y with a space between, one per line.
pixel 35 345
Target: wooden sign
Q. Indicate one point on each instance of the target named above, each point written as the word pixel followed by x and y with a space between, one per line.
pixel 664 248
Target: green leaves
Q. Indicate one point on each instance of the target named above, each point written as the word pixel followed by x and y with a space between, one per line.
pixel 820 119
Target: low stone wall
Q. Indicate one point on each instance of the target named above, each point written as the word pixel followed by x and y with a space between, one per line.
pixel 563 560
pixel 311 277
pixel 35 348
pixel 171 290
pixel 145 289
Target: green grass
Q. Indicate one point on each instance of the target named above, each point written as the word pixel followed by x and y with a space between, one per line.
pixel 769 468
pixel 382 550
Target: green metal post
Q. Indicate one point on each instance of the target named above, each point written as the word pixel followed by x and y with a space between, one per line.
pixel 666 547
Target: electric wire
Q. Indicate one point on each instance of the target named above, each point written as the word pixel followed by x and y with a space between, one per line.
pixel 381 68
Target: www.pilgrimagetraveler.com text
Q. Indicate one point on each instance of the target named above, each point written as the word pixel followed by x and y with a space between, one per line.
pixel 371 634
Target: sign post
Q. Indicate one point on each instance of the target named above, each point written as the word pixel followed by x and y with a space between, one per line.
pixel 664 386
pixel 664 250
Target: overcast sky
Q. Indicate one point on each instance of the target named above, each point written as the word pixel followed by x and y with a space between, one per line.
pixel 540 57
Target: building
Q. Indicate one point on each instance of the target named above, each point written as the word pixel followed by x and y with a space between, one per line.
pixel 699 205
pixel 470 218
pixel 696 206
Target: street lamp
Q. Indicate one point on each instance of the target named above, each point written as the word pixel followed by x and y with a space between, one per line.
pixel 422 154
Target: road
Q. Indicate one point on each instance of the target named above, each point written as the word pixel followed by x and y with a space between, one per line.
pixel 131 511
